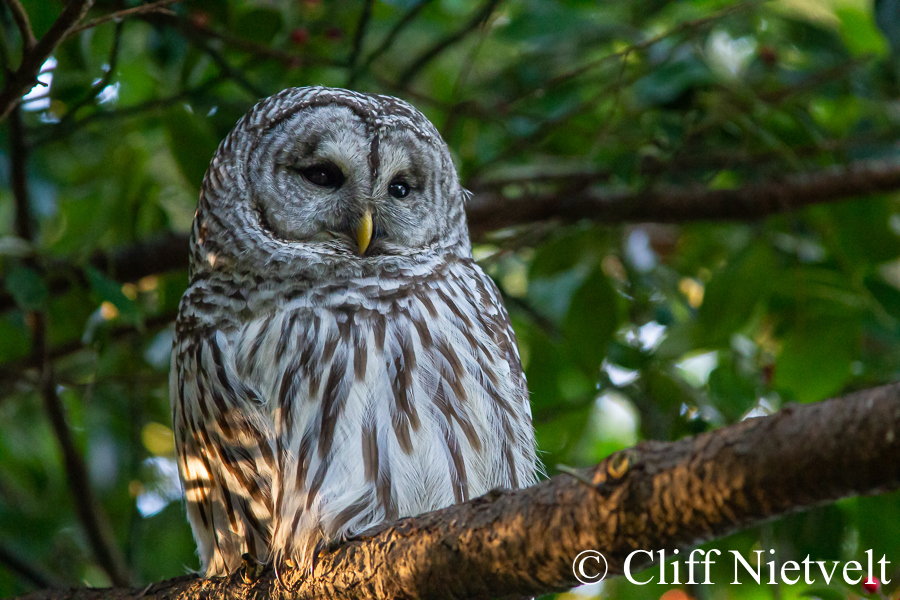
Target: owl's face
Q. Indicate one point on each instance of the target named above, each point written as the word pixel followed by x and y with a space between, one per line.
pixel 329 184
pixel 323 178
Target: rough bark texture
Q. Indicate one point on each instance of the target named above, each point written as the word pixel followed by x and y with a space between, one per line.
pixel 655 495
pixel 677 205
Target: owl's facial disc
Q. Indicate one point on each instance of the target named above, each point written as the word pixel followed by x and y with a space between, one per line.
pixel 325 179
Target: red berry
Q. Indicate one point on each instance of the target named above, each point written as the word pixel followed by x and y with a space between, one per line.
pixel 768 55
pixel 200 18
pixel 299 36
pixel 871 586
pixel 334 33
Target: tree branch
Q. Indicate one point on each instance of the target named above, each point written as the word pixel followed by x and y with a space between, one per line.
pixel 490 210
pixel 261 51
pixel 657 495
pixel 87 507
pixel 358 37
pixel 407 18
pixel 24 569
pixel 89 512
pixel 756 200
pixel 22 79
pixel 23 24
pixel 15 370
pixel 118 16
pixel 18 175
pixel 159 255
pixel 422 61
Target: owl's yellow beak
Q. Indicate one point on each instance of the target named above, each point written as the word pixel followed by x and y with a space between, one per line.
pixel 364 232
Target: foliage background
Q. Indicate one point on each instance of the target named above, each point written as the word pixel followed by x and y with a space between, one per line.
pixel 628 331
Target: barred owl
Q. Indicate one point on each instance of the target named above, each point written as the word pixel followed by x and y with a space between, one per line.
pixel 340 360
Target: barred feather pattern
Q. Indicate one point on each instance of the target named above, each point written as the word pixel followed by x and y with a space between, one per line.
pixel 319 394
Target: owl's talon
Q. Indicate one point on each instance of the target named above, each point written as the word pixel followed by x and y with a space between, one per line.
pixel 251 570
pixel 284 563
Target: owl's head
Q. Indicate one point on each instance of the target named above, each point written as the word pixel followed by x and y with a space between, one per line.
pixel 328 181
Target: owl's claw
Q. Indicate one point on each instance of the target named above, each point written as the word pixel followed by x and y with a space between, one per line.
pixel 250 569
pixel 287 563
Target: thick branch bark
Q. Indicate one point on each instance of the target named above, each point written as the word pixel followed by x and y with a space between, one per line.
pixel 492 211
pixel 653 496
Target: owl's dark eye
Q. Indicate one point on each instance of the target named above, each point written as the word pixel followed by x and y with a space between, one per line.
pixel 325 175
pixel 398 189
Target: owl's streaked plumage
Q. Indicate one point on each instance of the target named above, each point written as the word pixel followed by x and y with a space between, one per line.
pixel 318 390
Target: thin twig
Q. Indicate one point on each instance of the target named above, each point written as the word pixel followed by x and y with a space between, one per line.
pixel 468 65
pixel 4 54
pixel 18 153
pixel 25 569
pixel 545 128
pixel 388 41
pixel 24 25
pixel 227 69
pixel 93 519
pixel 591 65
pixel 288 59
pixel 63 129
pixel 88 509
pixel 145 9
pixel 358 37
pixel 16 370
pixel 436 50
pixel 103 81
pixel 19 81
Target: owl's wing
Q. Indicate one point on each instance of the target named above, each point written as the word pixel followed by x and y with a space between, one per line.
pixel 224 453
pixel 504 380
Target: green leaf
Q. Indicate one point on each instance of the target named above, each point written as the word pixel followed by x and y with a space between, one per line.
pixel 733 293
pixel 567 251
pixel 192 144
pixel 815 358
pixel 15 335
pixel 823 592
pixel 732 392
pixel 110 291
pixel 592 320
pixel 859 31
pixel 860 232
pixel 28 288
pixel 669 82
pixel 552 382
pixel 259 24
pixel 887 295
pixel 872 533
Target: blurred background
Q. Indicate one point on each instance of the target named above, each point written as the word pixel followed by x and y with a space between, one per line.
pixel 642 312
